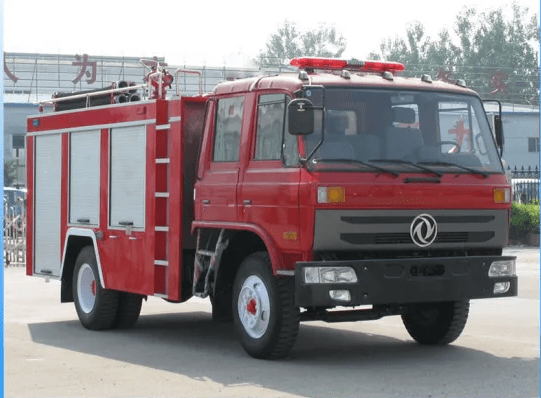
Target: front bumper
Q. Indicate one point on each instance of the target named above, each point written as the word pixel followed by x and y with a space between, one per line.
pixel 409 280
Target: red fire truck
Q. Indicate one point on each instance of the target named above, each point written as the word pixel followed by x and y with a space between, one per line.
pixel 338 192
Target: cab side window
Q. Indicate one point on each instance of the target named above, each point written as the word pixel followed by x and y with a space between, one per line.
pixel 227 130
pixel 271 141
pixel 270 124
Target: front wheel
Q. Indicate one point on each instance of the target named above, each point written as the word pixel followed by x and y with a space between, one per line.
pixel 96 306
pixel 436 323
pixel 264 309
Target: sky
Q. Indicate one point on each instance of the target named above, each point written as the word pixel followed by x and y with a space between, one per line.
pixel 214 33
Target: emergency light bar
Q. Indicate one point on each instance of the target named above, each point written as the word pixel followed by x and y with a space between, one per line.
pixel 339 64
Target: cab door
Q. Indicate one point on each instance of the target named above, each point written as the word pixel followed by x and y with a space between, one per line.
pixel 216 190
pixel 269 191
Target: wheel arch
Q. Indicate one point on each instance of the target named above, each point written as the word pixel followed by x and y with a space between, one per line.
pixel 76 239
pixel 251 230
pixel 241 244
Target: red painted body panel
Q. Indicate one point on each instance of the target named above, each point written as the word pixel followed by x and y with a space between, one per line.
pixel 271 193
pixel 92 116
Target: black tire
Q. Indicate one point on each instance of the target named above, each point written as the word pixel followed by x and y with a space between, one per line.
pixel 274 334
pixel 95 306
pixel 436 323
pixel 129 308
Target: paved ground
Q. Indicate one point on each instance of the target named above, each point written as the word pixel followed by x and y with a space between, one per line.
pixel 176 350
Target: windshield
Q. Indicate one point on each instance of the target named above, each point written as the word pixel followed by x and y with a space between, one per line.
pixel 401 131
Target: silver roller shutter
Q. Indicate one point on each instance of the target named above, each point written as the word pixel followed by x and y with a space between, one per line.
pixel 128 168
pixel 47 204
pixel 85 177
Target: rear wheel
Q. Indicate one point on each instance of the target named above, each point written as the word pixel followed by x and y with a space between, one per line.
pixel 436 323
pixel 129 308
pixel 95 306
pixel 264 309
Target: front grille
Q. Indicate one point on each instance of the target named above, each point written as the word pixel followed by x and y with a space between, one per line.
pixel 391 229
pixel 405 238
pixel 407 220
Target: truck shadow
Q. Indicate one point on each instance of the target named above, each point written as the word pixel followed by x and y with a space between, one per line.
pixel 345 362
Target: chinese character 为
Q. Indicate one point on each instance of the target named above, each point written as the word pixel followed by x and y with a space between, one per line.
pixel 497 82
pixel 8 72
pixel 91 77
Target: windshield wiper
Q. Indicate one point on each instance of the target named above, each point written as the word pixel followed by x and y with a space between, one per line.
pixel 437 163
pixel 399 161
pixel 355 161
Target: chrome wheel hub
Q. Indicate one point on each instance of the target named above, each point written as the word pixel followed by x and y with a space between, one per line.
pixel 86 288
pixel 254 307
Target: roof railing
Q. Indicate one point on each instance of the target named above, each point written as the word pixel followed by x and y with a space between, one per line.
pixel 189 71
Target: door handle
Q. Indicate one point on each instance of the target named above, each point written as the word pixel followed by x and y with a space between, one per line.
pixel 247 201
pixel 206 202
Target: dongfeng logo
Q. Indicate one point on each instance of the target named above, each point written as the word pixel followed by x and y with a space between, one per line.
pixel 423 230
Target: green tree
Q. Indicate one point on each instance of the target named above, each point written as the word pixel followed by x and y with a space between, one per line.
pixel 497 56
pixel 288 42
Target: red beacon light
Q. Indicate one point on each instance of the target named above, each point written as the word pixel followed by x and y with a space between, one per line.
pixel 340 64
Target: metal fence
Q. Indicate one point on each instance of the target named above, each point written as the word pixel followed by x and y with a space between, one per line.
pixel 35 77
pixel 15 234
pixel 525 184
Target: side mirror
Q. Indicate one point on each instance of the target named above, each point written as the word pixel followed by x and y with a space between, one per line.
pixel 498 131
pixel 300 114
pixel 498 126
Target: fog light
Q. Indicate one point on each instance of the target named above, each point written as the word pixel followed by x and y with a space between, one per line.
pixel 501 287
pixel 340 295
pixel 502 268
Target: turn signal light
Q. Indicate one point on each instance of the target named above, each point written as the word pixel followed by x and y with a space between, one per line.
pixel 331 195
pixel 502 195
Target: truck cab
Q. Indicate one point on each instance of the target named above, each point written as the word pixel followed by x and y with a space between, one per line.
pixel 370 189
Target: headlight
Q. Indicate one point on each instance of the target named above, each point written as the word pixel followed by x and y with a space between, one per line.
pixel 329 275
pixel 502 268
